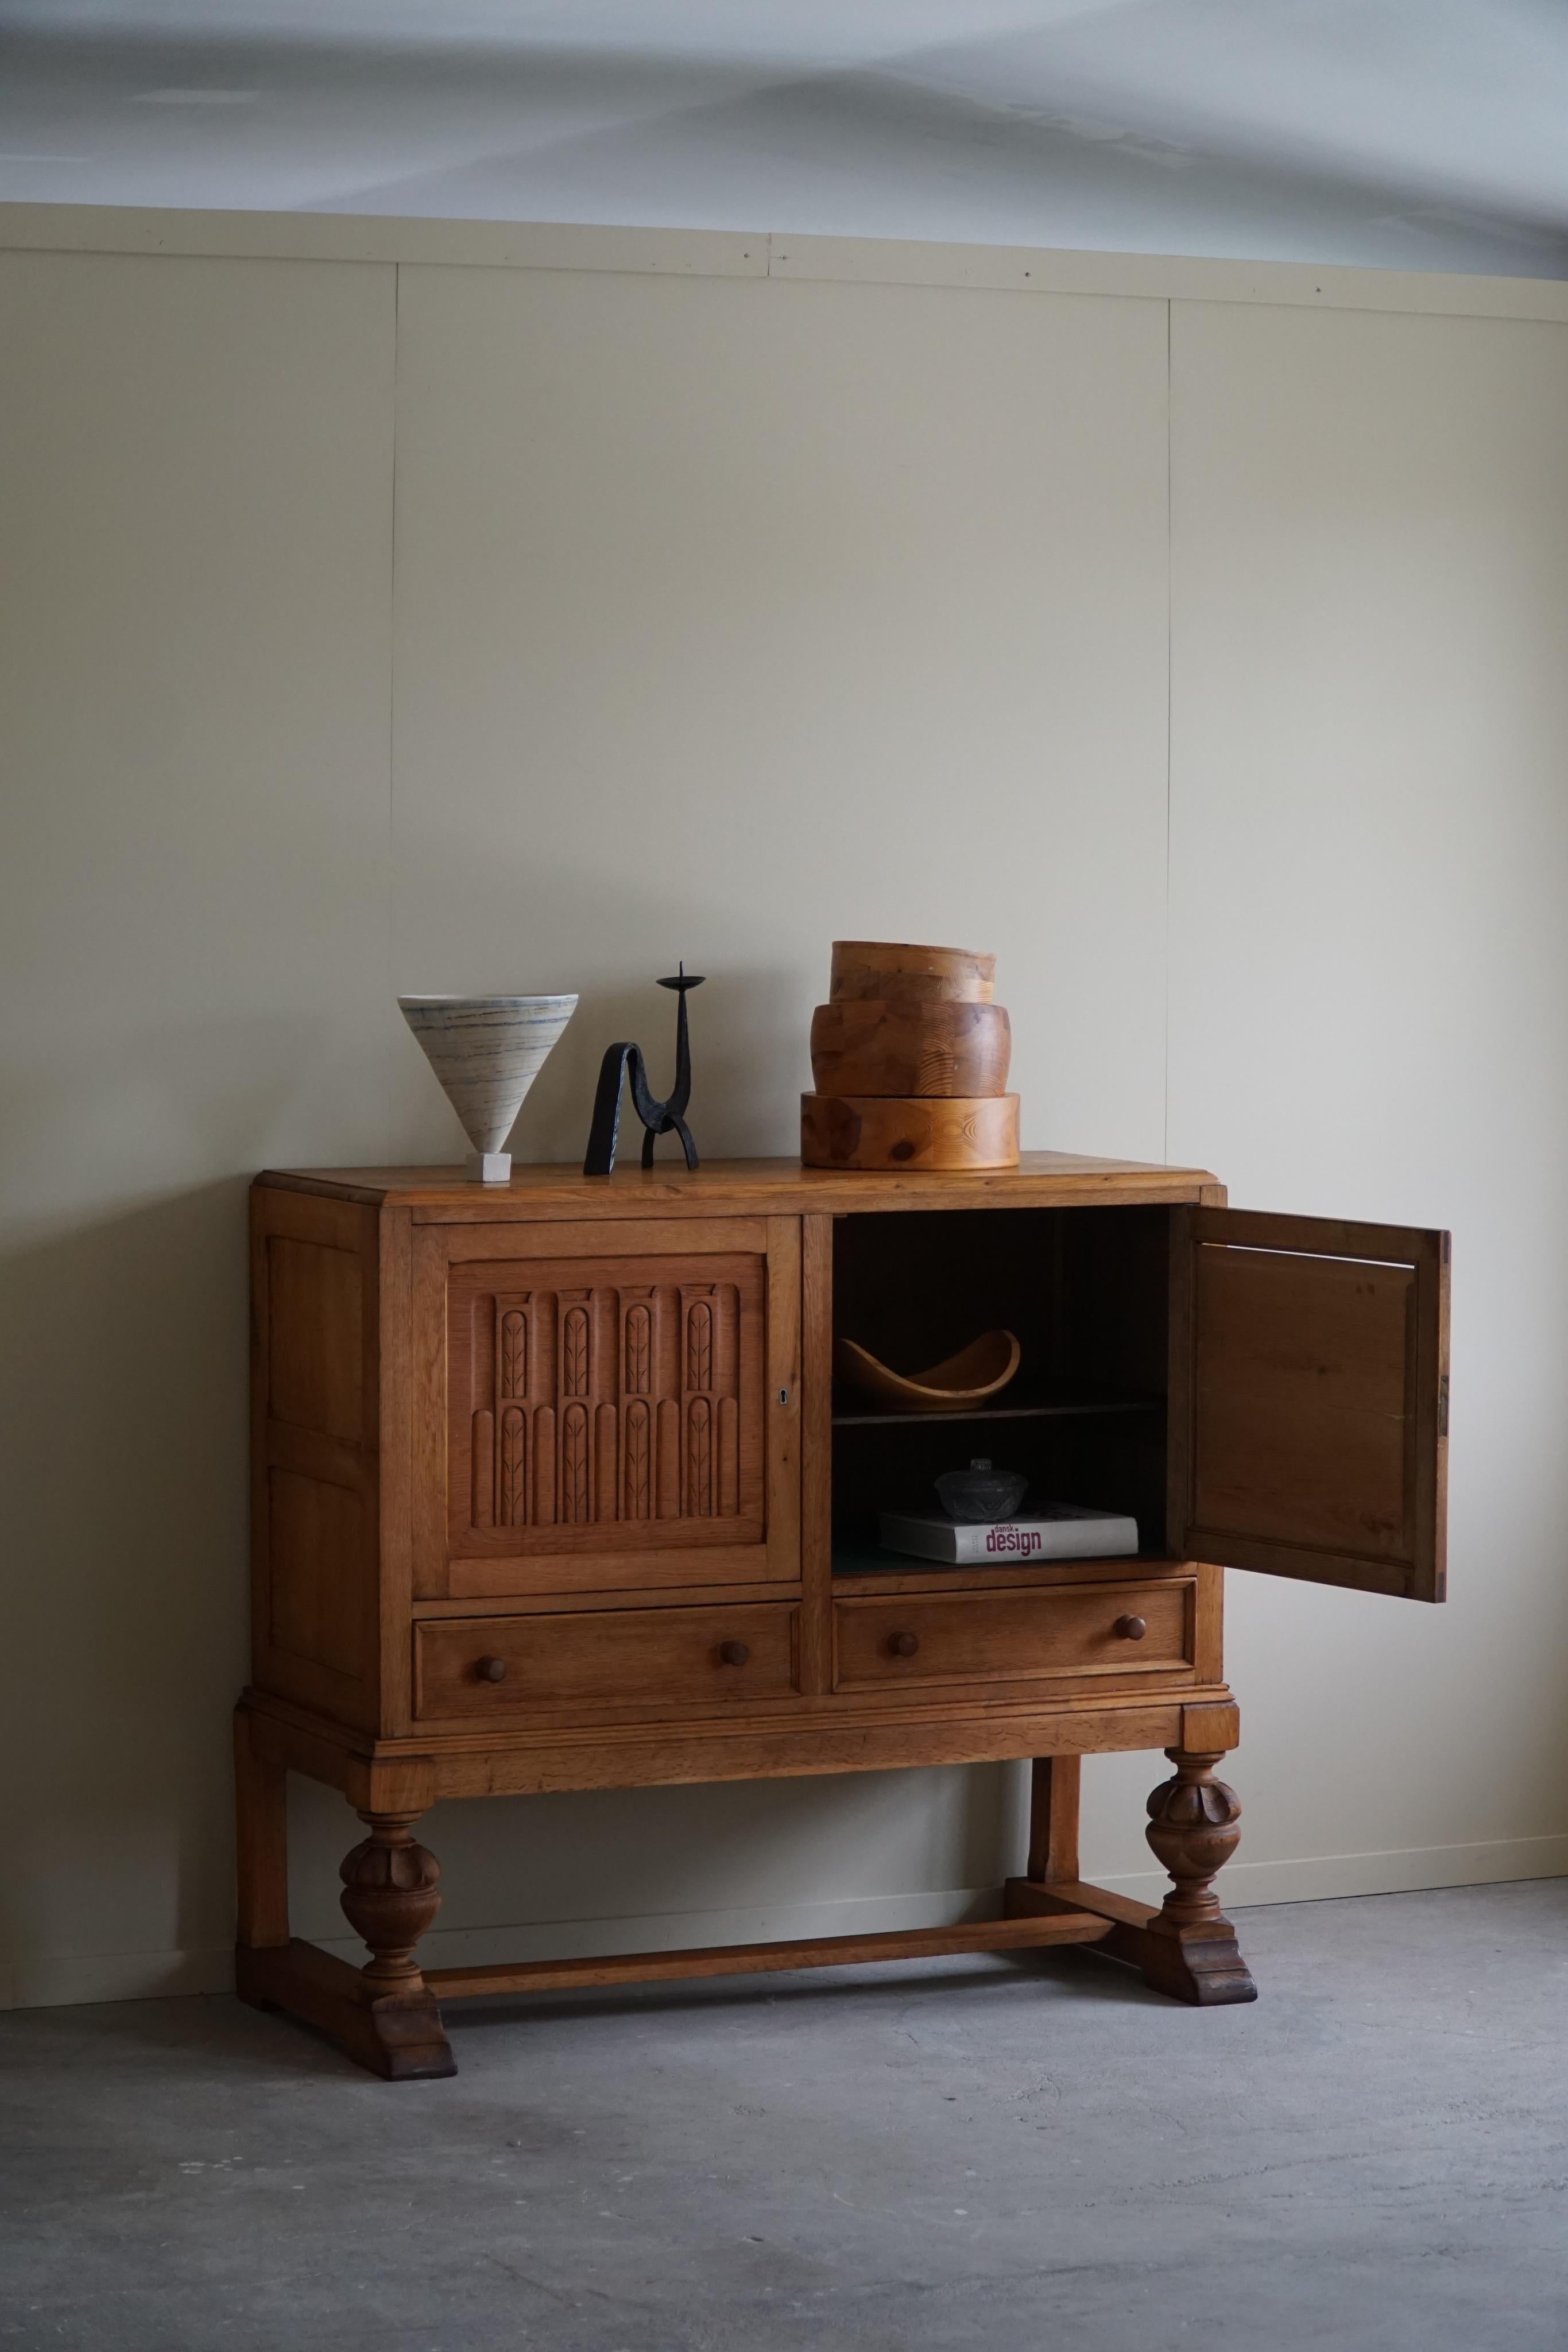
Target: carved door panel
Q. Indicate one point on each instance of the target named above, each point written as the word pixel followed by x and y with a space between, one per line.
pixel 620 1408
pixel 1310 1398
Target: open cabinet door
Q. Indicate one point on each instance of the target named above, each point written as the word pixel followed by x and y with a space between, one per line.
pixel 1308 1399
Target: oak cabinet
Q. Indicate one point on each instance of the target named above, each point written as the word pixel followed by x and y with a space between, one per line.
pixel 552 1490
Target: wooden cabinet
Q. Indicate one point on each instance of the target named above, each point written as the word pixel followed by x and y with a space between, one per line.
pixel 552 1490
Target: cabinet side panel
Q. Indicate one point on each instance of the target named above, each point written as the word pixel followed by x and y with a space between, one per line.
pixel 316 1612
pixel 316 1414
pixel 315 1370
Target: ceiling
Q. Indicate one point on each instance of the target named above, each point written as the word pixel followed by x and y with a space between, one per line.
pixel 1425 134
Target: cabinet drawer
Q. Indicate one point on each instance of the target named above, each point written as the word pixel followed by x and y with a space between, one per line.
pixel 1000 1636
pixel 680 1656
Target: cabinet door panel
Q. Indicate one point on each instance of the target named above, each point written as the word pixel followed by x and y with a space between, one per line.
pixel 610 1419
pixel 1308 1399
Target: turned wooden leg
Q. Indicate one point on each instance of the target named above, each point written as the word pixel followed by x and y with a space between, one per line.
pixel 1191 1950
pixel 383 2014
pixel 1187 1948
pixel 391 1897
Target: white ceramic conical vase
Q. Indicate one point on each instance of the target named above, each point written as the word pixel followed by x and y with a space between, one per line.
pixel 487 1051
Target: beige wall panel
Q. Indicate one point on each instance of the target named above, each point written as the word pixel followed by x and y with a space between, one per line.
pixel 732 615
pixel 731 618
pixel 194 675
pixel 735 616
pixel 1369 1003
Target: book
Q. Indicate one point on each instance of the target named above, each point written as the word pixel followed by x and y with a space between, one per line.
pixel 1054 1531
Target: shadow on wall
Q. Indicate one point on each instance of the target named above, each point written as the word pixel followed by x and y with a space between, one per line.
pixel 124 1410
pixel 123 1502
pixel 511 924
pixel 627 1860
pixel 746 1040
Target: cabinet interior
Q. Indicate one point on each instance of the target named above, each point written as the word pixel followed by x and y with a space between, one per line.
pixel 1085 1291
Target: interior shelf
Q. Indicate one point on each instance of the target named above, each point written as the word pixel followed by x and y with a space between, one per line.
pixel 1036 1401
pixel 855 1560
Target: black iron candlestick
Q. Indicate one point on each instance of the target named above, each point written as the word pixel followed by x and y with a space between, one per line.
pixel 668 1118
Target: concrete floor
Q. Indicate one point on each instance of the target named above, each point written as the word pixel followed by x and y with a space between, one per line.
pixel 970 2153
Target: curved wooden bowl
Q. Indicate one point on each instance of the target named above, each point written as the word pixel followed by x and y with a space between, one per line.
pixel 871 1047
pixel 916 1134
pixel 889 968
pixel 977 1371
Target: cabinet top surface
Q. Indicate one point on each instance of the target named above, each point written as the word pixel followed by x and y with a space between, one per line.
pixel 780 1187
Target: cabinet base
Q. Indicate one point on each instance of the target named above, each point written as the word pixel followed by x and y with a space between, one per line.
pixel 398 2035
pixel 401 2037
pixel 1202 1966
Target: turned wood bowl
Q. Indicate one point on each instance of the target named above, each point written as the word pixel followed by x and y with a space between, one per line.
pixel 981 1370
pixel 893 968
pixel 869 1045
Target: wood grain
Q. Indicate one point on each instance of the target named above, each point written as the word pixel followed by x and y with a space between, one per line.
pixel 1314 1396
pixel 817 1454
pixel 630 1234
pixel 781 1404
pixel 544 1491
pixel 553 1193
pixel 885 1730
pixel 874 1582
pixel 669 1655
pixel 1054 1786
pixel 1010 1634
pixel 261 1841
pixel 426 1345
pixel 706 1557
pixel 1021 1935
pixel 897 968
pixel 396 2035
pixel 972 1377
pixel 874 1133
pixel 316 1313
pixel 315 1468
pixel 540 1604
pixel 631 1398
pixel 905 1048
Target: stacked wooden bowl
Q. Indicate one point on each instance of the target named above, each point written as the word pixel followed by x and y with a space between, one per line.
pixel 909 1059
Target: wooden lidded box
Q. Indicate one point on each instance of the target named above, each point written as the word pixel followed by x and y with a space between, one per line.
pixel 909 1063
pixel 551 1490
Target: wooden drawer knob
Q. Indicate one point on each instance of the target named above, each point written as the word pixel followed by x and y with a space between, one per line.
pixel 904 1645
pixel 491 1670
pixel 733 1653
pixel 1132 1628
